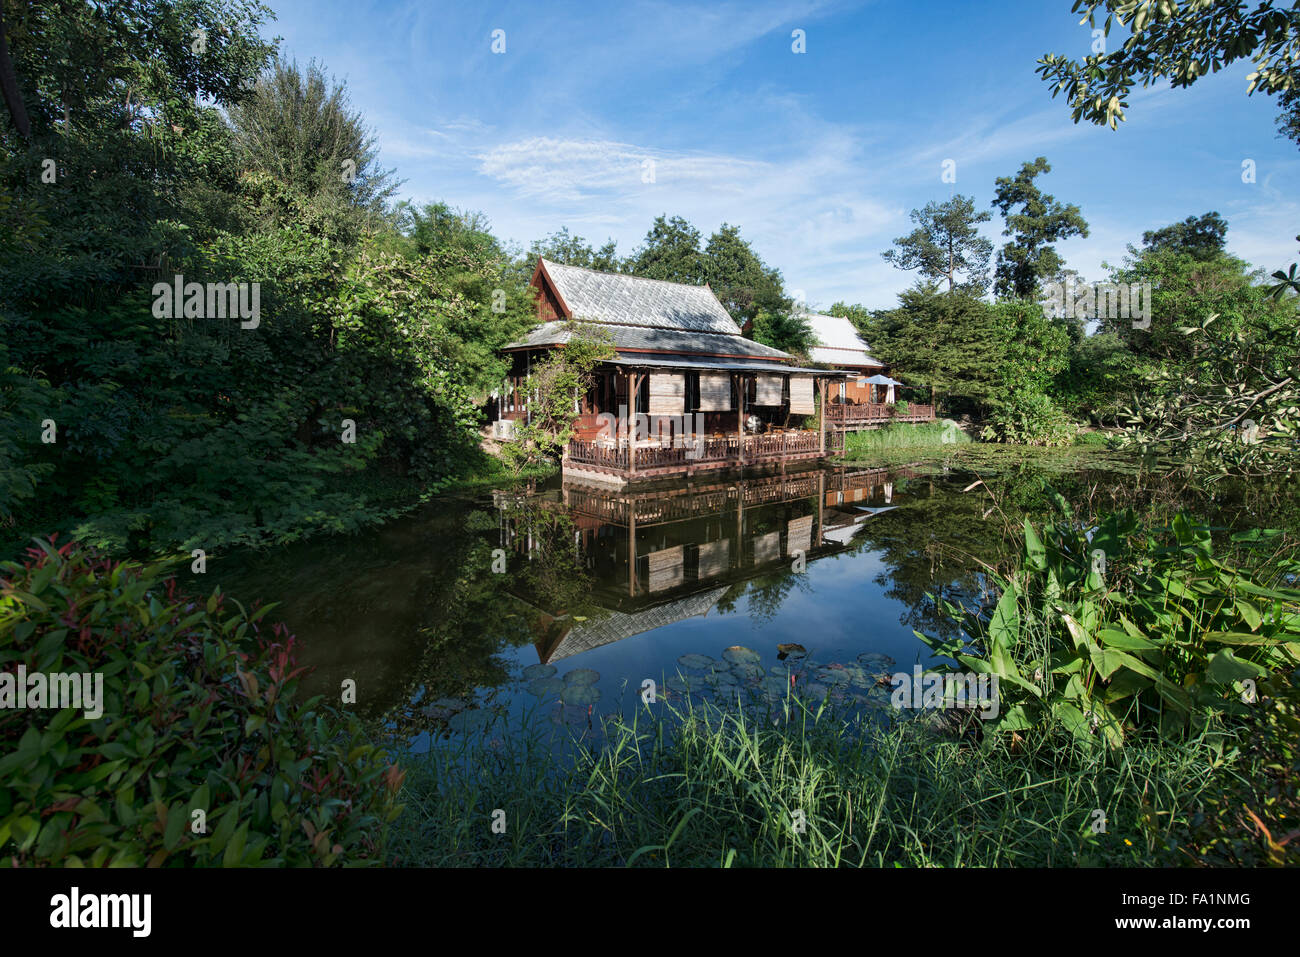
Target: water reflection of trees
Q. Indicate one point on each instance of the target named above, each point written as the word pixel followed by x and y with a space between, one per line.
pixel 411 612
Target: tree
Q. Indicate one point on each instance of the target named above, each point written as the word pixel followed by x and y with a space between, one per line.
pixel 554 384
pixel 1034 350
pixel 947 341
pixel 946 243
pixel 740 280
pixel 1216 371
pixel 1201 237
pixel 1029 258
pixel 299 128
pixel 786 330
pixel 671 251
pixel 856 313
pixel 561 247
pixel 440 227
pixel 1181 42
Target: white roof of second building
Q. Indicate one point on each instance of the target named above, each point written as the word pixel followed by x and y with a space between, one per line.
pixel 838 342
pixel 634 301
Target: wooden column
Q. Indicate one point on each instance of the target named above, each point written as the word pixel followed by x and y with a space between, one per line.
pixel 821 419
pixel 634 386
pixel 821 503
pixel 631 550
pixel 740 416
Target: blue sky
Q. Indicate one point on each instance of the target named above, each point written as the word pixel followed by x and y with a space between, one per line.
pixel 818 157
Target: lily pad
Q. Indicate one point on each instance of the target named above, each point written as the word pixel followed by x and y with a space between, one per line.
pixel 834 676
pixel 475 719
pixel 545 687
pixel 582 676
pixel 695 662
pixel 538 671
pixel 737 654
pixel 748 671
pixel 683 684
pixel 580 694
pixel 874 661
pixel 721 679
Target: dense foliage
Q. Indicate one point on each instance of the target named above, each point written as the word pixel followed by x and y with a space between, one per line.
pixel 1117 629
pixel 142 418
pixel 202 753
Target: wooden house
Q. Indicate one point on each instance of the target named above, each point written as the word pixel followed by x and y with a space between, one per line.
pixel 867 396
pixel 685 392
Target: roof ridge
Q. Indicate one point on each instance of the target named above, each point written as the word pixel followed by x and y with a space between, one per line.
pixel 627 275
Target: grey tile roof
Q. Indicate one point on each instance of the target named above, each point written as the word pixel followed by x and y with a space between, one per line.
pixel 633 301
pixel 618 625
pixel 664 340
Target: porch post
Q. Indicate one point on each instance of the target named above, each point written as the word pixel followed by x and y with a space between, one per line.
pixel 631 550
pixel 740 416
pixel 821 504
pixel 633 388
pixel 821 419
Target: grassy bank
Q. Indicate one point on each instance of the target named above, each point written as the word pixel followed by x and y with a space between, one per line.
pixel 726 790
pixel 902 436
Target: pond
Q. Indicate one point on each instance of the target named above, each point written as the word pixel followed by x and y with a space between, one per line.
pixel 562 599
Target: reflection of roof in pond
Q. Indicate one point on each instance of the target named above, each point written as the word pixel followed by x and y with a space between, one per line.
pixel 841 526
pixel 586 635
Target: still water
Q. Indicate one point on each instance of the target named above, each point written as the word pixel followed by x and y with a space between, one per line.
pixel 561 600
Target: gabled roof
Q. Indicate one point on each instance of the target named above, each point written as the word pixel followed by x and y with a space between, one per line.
pixel 838 342
pixel 632 301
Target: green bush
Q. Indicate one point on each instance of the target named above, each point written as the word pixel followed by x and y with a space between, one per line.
pixel 1029 418
pixel 1112 628
pixel 199 713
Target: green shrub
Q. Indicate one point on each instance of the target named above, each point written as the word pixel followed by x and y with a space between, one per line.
pixel 1120 628
pixel 199 713
pixel 1029 418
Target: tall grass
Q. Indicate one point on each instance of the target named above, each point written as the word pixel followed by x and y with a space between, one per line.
pixel 901 435
pixel 703 787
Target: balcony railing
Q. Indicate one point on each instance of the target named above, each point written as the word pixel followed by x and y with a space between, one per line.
pixel 680 455
pixel 876 413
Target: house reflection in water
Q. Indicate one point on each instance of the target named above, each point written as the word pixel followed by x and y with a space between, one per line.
pixel 655 556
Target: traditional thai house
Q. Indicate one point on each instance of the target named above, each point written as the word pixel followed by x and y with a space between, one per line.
pixel 685 391
pixel 867 397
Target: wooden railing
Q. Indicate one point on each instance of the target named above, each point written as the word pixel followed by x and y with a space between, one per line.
pixel 705 450
pixel 876 413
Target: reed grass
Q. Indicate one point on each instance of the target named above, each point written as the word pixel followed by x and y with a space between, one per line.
pixel 698 786
pixel 901 435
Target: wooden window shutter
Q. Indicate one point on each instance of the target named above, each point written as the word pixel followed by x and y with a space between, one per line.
pixel 667 568
pixel 801 395
pixel 799 535
pixel 667 393
pixel 715 392
pixel 769 389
